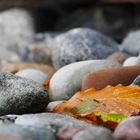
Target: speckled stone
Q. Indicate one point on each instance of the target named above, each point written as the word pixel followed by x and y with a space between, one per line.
pixel 112 76
pixel 67 81
pixel 81 44
pixel 19 95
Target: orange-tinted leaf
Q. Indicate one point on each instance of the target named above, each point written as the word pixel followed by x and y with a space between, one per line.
pixel 122 101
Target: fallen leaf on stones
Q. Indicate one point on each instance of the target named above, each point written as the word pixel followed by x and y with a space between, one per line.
pixel 105 107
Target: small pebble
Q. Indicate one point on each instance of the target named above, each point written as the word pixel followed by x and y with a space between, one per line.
pixel 35 75
pixel 131 61
pixel 52 105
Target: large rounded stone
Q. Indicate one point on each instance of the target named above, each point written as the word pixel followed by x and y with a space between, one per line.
pixel 81 44
pixel 112 76
pixel 66 81
pixel 19 95
pixel 49 120
pixel 131 43
pixel 16 132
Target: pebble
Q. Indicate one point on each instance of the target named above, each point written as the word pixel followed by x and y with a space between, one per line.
pixel 49 120
pixel 131 61
pixel 14 67
pixel 20 95
pixel 136 81
pixel 128 129
pixel 35 75
pixel 131 43
pixel 15 132
pixel 94 133
pixel 120 57
pixel 112 76
pixel 67 81
pixel 81 44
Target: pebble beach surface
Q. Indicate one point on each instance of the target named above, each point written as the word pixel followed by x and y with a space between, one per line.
pixel 38 71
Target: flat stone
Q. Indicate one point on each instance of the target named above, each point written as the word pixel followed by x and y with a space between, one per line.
pixel 20 95
pixel 16 132
pixel 49 120
pixel 81 44
pixel 67 81
pixel 112 76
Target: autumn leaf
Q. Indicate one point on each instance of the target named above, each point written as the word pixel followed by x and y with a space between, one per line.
pixel 106 107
